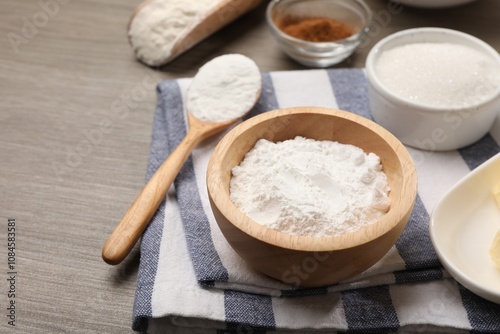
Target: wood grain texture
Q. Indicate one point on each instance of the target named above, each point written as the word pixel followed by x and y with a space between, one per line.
pixel 76 73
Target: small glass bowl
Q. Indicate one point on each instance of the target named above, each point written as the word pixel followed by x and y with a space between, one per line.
pixel 355 13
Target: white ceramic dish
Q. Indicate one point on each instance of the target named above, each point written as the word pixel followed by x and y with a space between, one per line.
pixel 462 229
pixel 434 3
pixel 420 125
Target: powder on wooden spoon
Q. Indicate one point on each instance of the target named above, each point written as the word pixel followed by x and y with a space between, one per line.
pixel 224 89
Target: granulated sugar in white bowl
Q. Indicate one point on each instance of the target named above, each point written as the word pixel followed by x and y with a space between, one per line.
pixel 435 89
pixel 307 187
pixel 439 74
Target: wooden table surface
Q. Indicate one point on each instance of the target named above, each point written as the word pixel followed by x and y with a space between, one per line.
pixel 66 182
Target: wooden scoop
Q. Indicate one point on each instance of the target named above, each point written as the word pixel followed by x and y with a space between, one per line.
pixel 224 12
pixel 138 216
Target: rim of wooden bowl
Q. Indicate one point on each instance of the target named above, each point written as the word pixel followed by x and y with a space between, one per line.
pixel 222 161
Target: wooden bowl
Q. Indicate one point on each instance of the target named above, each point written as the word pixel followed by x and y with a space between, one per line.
pixel 304 260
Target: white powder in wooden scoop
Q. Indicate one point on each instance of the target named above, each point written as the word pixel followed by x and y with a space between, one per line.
pixel 308 187
pixel 159 25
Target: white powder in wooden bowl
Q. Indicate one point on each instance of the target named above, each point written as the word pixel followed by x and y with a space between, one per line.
pixel 308 187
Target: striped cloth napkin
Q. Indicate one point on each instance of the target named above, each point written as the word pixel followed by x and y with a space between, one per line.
pixel 191 281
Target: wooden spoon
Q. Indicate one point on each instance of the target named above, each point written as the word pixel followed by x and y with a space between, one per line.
pixel 221 14
pixel 138 216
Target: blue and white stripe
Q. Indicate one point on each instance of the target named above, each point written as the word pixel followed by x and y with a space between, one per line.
pixel 191 280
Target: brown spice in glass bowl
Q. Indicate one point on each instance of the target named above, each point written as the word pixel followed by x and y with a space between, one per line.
pixel 315 29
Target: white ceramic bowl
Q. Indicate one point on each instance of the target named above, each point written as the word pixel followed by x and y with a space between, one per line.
pixel 420 125
pixel 462 229
pixel 434 3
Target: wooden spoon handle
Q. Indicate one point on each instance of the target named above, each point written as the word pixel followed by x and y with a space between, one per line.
pixel 138 216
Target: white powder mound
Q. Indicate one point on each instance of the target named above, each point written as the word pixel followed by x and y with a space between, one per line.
pixel 156 28
pixel 439 74
pixel 224 89
pixel 308 187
